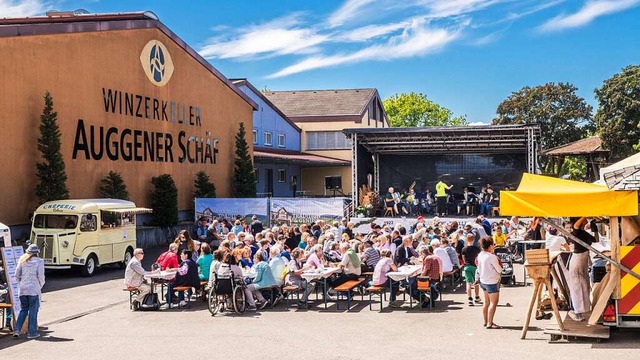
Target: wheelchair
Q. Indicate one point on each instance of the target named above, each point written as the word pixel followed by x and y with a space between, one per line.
pixel 227 289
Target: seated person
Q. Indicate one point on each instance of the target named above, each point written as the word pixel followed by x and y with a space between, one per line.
pixel 447 266
pixel 204 262
pixel 315 260
pixel 277 263
pixel 230 266
pixel 369 257
pixel 405 252
pixel 169 259
pixel 134 277
pixel 499 238
pixel 263 280
pixel 383 266
pixel 246 258
pixel 186 275
pixel 350 265
pixel 431 270
pixel 218 257
pixel 294 276
pixel 451 251
pixel 334 253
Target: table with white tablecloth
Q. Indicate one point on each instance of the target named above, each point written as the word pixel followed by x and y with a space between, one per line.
pixel 404 273
pixel 321 274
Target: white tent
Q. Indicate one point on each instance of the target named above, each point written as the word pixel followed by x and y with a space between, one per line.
pixel 5 235
pixel 632 160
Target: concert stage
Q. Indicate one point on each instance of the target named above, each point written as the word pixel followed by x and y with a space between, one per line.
pixel 467 156
pixel 363 225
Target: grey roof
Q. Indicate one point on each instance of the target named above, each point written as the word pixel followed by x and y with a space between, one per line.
pixel 624 179
pixel 301 103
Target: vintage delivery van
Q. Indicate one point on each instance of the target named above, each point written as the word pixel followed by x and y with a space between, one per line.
pixel 85 233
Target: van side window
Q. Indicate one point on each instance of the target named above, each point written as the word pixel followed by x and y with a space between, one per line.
pixel 88 222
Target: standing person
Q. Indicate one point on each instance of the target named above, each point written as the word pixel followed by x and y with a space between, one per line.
pixel 134 277
pixel 490 270
pixel 185 242
pixel 470 255
pixel 441 196
pixel 256 225
pixel 579 269
pixel 30 277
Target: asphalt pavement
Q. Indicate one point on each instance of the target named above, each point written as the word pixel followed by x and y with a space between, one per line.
pixel 90 318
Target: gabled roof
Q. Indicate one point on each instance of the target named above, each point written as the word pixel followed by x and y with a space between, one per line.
pixel 240 82
pixel 77 22
pixel 323 103
pixel 586 146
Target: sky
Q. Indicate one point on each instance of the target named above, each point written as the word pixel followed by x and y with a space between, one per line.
pixel 466 55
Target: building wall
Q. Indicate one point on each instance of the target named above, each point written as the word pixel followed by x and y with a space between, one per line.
pixel 265 119
pixel 280 189
pixel 75 68
pixel 313 179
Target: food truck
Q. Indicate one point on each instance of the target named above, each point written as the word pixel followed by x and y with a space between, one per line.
pixel 85 233
pixel 616 298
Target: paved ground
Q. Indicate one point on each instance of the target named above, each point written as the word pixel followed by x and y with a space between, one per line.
pixel 90 318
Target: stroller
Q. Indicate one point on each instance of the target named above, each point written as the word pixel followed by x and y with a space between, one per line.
pixel 506 258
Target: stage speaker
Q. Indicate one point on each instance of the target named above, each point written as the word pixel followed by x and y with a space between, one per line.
pixel 332 182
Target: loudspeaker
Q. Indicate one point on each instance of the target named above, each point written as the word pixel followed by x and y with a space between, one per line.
pixel 332 182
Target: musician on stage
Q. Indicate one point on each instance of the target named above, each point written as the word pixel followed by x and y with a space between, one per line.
pixel 441 196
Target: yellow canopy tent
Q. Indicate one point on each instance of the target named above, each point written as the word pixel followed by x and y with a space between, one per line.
pixel 546 196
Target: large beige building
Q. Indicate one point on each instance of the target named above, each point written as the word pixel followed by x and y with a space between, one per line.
pixel 131 96
pixel 322 115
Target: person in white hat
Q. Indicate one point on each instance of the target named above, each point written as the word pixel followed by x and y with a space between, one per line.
pixel 30 276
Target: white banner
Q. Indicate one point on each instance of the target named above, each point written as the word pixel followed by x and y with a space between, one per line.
pixel 230 207
pixel 10 257
pixel 305 210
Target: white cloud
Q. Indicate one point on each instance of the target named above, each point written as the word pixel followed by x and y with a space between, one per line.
pixel 368 32
pixel 418 39
pixel 21 8
pixel 347 11
pixel 281 36
pixel 449 8
pixel 589 12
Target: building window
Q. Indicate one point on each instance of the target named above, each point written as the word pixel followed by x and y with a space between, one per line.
pixel 282 175
pixel 327 140
pixel 257 173
pixel 267 138
pixel 255 136
pixel 280 140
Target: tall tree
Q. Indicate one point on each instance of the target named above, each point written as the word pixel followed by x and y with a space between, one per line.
pixel 244 178
pixel 415 109
pixel 113 187
pixel 164 201
pixel 203 187
pixel 563 116
pixel 618 115
pixel 52 178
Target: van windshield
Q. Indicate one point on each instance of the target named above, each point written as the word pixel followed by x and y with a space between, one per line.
pixel 50 221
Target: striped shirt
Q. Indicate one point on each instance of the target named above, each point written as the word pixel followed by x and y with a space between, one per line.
pixel 371 257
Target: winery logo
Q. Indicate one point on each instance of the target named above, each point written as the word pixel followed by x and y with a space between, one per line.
pixel 156 62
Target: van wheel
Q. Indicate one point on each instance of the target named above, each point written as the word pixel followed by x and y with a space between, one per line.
pixel 128 255
pixel 90 266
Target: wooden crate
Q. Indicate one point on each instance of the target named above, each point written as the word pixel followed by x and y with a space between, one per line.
pixel 538 257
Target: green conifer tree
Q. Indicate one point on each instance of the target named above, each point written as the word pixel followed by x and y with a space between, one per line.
pixel 113 187
pixel 164 201
pixel 52 178
pixel 203 187
pixel 244 178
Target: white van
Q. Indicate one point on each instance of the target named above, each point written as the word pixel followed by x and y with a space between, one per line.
pixel 85 233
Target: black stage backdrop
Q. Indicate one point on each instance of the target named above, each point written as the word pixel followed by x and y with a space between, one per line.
pixel 400 171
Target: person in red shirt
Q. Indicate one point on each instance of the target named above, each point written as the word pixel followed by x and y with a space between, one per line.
pixel 168 260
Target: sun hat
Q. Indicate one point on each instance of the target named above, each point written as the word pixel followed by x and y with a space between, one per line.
pixel 33 249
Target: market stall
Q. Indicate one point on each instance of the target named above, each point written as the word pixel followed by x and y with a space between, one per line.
pixel 547 197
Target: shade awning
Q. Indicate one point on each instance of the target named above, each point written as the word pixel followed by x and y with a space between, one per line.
pixel 137 210
pixel 546 196
pixel 298 158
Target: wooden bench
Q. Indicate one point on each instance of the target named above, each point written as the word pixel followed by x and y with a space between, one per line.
pixel 452 274
pixel 179 289
pixel 3 317
pixel 290 289
pixel 133 291
pixel 376 290
pixel 346 288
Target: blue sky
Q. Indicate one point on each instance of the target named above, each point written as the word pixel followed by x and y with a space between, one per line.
pixel 467 55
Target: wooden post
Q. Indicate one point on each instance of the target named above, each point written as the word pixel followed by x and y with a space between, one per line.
pixel 534 295
pixel 540 275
